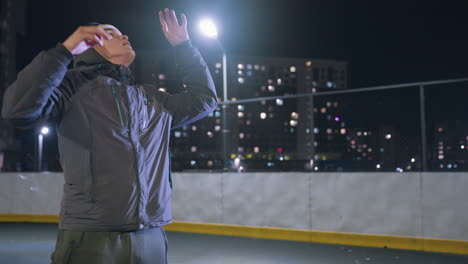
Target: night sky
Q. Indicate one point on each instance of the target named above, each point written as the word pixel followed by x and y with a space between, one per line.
pixel 385 42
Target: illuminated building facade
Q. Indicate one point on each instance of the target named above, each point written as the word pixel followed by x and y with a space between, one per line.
pixel 267 134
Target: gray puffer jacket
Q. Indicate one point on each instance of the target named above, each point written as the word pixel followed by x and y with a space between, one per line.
pixel 113 136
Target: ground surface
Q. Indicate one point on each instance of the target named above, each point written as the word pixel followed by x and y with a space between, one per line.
pixel 33 243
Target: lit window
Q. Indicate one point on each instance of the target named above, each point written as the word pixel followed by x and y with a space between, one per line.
pixel 369 150
pixel 256 149
pixel 249 66
pixel 330 84
pixel 292 69
pixel 263 115
pixel 193 162
pixel 294 115
pixel 271 88
pixel 293 122
pixel 177 134
pixel 343 131
pixel 217 114
pixel 279 81
pixel 240 72
pixel 323 110
pixel 308 63
pixel 210 163
pixel 263 88
pixel 217 128
pixel 249 73
pixel 337 119
pixel 240 149
pixel 359 133
pixel 257 67
pixel 316 130
pixel 241 135
pixel 279 101
pixel 240 108
pixel 162 76
pixel 210 134
pixel 388 136
pixel 193 148
pixel 378 166
pixel 240 114
pixel 329 104
pixel 413 160
pixel 218 65
pixel 441 157
pixel 194 128
pixel 329 131
pixel 353 142
pixel 248 122
pixel 240 80
pixel 240 66
pixel 365 133
pixel 314 90
pixel 462 146
pixel 162 89
pixel 440 129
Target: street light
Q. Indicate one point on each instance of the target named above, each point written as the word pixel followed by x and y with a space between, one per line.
pixel 208 28
pixel 40 138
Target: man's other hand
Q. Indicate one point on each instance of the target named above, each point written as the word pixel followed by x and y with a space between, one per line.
pixel 174 32
pixel 86 37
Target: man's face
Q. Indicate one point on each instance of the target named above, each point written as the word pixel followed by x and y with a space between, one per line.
pixel 118 49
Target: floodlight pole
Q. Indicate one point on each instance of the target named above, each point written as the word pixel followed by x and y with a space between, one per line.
pixel 225 130
pixel 40 139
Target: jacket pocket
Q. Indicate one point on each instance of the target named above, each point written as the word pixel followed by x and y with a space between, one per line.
pixel 76 200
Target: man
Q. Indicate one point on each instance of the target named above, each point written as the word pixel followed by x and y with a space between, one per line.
pixel 113 139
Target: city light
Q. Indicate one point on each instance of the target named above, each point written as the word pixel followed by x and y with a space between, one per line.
pixel 378 166
pixel 263 115
pixel 44 130
pixel 388 136
pixel 208 28
pixel 413 160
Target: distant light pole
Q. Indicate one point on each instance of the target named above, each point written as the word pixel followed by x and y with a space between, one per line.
pixel 40 138
pixel 208 28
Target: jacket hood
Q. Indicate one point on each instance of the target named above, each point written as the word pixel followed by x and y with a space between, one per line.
pixel 91 63
pixel 89 57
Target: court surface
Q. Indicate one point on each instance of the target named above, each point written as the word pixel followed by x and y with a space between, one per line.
pixel 33 243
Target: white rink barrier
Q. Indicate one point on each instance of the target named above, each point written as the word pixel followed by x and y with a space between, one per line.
pixel 419 205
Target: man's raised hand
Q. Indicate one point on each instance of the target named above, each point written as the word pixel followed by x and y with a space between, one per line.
pixel 86 37
pixel 174 32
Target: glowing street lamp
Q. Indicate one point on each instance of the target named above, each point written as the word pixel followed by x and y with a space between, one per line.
pixel 208 28
pixel 40 138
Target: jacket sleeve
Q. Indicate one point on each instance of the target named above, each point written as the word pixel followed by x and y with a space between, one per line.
pixel 199 99
pixel 40 89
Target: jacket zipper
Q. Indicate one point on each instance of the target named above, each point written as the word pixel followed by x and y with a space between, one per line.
pixel 118 105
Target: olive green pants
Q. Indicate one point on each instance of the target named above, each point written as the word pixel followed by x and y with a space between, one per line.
pixel 139 247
